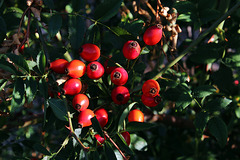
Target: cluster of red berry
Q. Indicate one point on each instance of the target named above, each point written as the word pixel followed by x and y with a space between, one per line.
pixel 119 77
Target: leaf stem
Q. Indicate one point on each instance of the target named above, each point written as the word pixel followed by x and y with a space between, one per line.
pixel 198 40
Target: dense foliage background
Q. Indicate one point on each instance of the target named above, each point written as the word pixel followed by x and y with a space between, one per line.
pixel 196 64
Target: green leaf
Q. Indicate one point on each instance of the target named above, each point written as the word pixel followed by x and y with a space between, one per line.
pixel 18 98
pixel 124 115
pixel 203 91
pixel 78 5
pixel 41 149
pixel 76 31
pixel 3 29
pixel 1 3
pixel 19 61
pixel 145 50
pixel 232 60
pixel 41 62
pixel 200 121
pixel 135 27
pixel 3 83
pixel 58 108
pixel 109 152
pixel 217 104
pixel 97 126
pixel 237 112
pixel 54 24
pixel 218 129
pixel 183 100
pixel 208 15
pixel 43 87
pixel 49 3
pixel 107 9
pixel 6 66
pixel 93 34
pixel 122 144
pixel 31 88
pixel 138 142
pixel 139 126
pixel 120 31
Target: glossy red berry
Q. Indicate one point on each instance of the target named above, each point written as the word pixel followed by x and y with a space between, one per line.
pixel 95 70
pixel 89 52
pixel 135 116
pixel 119 76
pixel 150 88
pixel 21 50
pixel 152 35
pixel 80 102
pixel 131 49
pixel 72 86
pixel 102 116
pixel 120 95
pixel 84 118
pixel 151 101
pixel 100 140
pixel 59 66
pixel 75 69
pixel 126 136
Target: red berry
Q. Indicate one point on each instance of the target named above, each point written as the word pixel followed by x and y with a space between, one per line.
pixel 151 101
pixel 152 35
pixel 59 66
pixel 84 118
pixel 21 50
pixel 150 88
pixel 72 86
pixel 95 70
pixel 126 136
pixel 120 95
pixel 135 116
pixel 89 52
pixel 108 69
pixel 102 116
pixel 119 76
pixel 100 140
pixel 75 68
pixel 131 49
pixel 80 102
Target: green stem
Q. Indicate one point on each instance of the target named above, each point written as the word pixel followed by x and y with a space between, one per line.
pixel 198 40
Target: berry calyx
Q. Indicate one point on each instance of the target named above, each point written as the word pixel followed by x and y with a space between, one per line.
pixel 95 70
pixel 102 116
pixel 153 35
pixel 75 69
pixel 119 76
pixel 131 49
pixel 120 95
pixel 151 101
pixel 84 118
pixel 80 102
pixel 150 88
pixel 126 136
pixel 135 116
pixel 89 52
pixel 59 66
pixel 72 86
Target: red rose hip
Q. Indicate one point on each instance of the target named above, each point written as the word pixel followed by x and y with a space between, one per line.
pixel 102 116
pixel 100 140
pixel 75 69
pixel 135 116
pixel 72 86
pixel 80 102
pixel 126 136
pixel 119 76
pixel 59 65
pixel 89 52
pixel 150 88
pixel 120 95
pixel 84 118
pixel 151 101
pixel 95 70
pixel 153 35
pixel 131 49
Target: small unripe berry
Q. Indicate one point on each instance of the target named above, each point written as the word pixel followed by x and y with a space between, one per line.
pixel 59 65
pixel 72 86
pixel 95 70
pixel 75 69
pixel 153 35
pixel 131 49
pixel 84 118
pixel 119 76
pixel 89 52
pixel 120 95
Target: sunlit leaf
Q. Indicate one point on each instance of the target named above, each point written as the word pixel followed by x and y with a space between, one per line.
pixel 41 62
pixel 31 88
pixel 203 91
pixel 18 98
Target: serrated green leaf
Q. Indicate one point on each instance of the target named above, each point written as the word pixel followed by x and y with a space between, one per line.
pixel 58 108
pixel 201 120
pixel 41 149
pixel 203 91
pixel 97 126
pixel 49 3
pixel 18 98
pixel 107 9
pixel 217 104
pixel 218 129
pixel 109 152
pixel 123 145
pixel 76 31
pixel 19 61
pixel 31 88
pixel 3 29
pixel 139 126
pixel 135 27
pixel 41 62
pixel 54 24
pixel 232 60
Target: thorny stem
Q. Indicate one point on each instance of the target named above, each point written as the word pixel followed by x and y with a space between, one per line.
pixel 106 134
pixel 198 40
